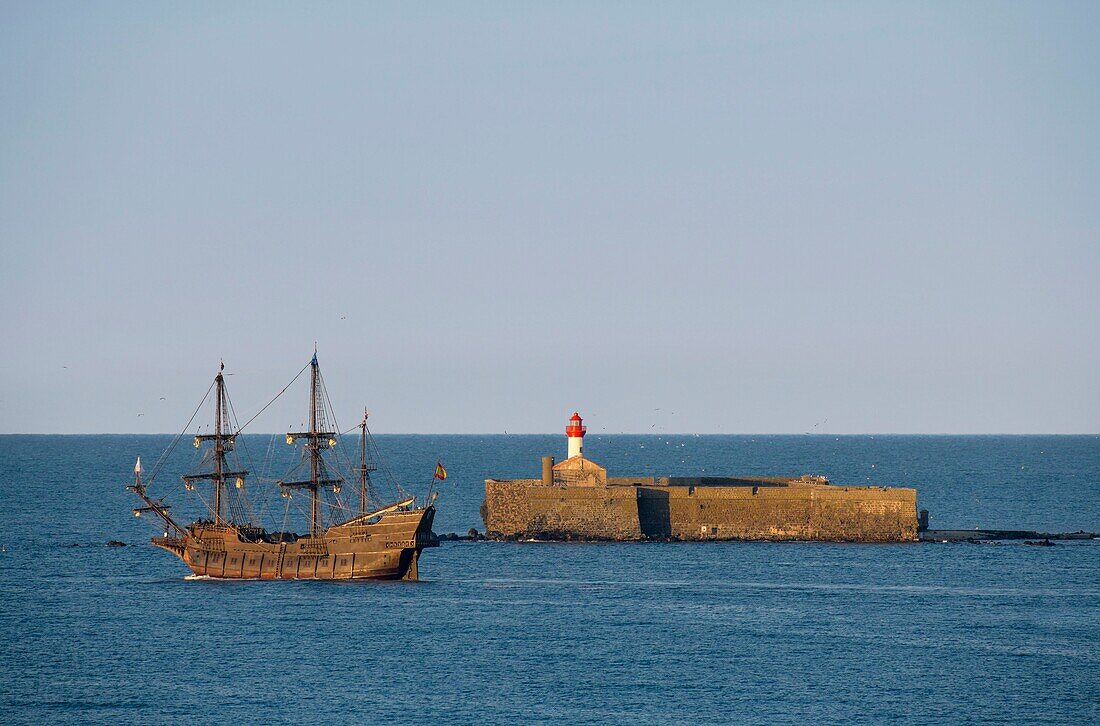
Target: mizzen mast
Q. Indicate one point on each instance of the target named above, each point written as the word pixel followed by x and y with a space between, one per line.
pixel 365 467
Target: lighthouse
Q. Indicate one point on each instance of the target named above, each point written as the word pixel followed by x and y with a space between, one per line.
pixel 575 431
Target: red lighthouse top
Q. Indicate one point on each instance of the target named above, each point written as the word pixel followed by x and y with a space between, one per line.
pixel 575 428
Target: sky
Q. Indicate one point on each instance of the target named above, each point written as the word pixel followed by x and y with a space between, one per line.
pixel 754 217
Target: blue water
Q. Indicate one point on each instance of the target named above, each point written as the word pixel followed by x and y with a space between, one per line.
pixel 607 633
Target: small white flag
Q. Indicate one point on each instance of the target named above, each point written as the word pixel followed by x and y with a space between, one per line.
pixel 137 466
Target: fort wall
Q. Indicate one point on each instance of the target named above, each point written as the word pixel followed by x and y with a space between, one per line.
pixel 636 508
pixel 527 508
pixel 795 512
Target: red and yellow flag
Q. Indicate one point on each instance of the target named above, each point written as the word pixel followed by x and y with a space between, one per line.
pixel 440 472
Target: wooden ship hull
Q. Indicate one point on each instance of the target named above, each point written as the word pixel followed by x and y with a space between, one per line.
pixel 388 549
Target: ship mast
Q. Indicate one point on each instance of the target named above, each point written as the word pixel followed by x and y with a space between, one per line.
pixel 223 443
pixel 316 441
pixel 219 446
pixel 314 451
pixel 364 468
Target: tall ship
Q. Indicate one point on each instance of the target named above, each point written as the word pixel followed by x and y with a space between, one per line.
pixel 346 539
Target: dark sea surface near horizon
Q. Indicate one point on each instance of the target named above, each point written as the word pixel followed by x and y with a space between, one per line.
pixel 537 632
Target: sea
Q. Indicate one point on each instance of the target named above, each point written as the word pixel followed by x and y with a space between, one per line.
pixel 650 633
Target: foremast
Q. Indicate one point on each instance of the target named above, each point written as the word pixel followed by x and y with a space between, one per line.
pixel 317 440
pixel 223 444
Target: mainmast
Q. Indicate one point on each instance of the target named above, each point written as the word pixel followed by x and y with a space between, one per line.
pixel 219 446
pixel 223 443
pixel 316 441
pixel 314 450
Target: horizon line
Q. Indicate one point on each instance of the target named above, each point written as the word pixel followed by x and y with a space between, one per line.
pixel 617 433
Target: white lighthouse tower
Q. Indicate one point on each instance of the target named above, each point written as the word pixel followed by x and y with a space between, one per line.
pixel 576 431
